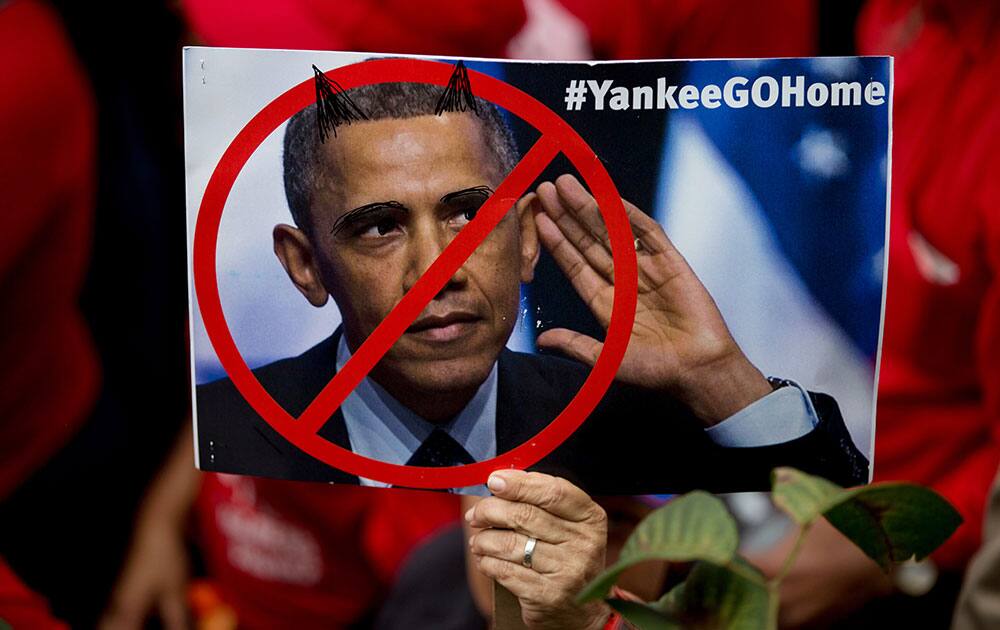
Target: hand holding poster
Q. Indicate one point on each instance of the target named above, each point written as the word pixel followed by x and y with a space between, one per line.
pixel 423 198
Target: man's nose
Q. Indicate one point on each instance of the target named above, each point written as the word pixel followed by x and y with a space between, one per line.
pixel 426 246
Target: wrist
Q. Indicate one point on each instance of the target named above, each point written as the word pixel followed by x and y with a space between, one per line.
pixel 725 390
pixel 161 516
pixel 599 614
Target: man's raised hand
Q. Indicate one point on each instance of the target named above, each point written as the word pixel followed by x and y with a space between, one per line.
pixel 679 343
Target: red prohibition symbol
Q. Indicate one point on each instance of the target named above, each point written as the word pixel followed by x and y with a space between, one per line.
pixel 556 137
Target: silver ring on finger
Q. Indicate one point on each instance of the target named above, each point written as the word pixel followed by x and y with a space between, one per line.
pixel 529 551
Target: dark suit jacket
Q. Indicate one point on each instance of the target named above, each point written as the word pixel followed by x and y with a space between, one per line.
pixel 635 441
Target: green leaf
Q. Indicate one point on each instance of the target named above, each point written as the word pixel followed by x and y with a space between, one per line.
pixel 670 599
pixel 644 616
pixel 733 597
pixel 893 522
pixel 803 497
pixel 890 522
pixel 695 526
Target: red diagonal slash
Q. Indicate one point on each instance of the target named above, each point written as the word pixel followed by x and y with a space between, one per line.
pixel 428 285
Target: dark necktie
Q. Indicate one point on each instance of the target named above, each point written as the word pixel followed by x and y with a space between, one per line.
pixel 440 449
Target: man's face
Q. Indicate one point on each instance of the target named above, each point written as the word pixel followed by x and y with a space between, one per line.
pixel 403 190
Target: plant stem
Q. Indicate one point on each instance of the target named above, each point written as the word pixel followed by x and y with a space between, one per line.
pixel 774 584
pixel 792 555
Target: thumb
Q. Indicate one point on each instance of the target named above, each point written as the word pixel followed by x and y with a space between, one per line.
pixel 571 343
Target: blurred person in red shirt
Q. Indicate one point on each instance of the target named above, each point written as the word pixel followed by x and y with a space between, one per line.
pixel 277 553
pixel 49 386
pixel 47 179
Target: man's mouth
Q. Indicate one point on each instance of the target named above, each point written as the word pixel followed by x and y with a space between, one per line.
pixel 446 327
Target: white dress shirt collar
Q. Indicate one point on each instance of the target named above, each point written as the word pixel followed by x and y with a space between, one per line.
pixel 380 427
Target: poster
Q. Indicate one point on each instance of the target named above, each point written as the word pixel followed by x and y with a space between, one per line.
pixel 411 271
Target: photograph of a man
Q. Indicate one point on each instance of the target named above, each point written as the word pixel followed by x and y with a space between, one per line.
pixel 378 201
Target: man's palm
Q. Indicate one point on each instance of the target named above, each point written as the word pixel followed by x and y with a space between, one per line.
pixel 679 342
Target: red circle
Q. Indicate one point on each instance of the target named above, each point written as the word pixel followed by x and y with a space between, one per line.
pixel 553 128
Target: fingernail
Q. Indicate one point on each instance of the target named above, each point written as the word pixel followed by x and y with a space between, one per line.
pixel 496 483
pixel 472 541
pixel 468 515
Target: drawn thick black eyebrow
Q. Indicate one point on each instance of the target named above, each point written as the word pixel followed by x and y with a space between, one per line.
pixel 486 191
pixel 352 215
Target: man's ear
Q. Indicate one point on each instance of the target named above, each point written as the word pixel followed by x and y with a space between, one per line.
pixel 293 249
pixel 529 236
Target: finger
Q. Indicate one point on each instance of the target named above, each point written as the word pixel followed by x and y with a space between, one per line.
pixel 589 284
pixel 572 344
pixel 174 612
pixel 523 518
pixel 660 261
pixel 583 205
pixel 647 229
pixel 508 545
pixel 553 494
pixel 594 249
pixel 586 209
pixel 519 580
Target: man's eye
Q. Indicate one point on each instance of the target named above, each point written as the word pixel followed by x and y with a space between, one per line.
pixel 464 216
pixel 381 227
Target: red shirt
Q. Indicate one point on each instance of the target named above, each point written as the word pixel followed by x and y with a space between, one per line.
pixel 679 29
pixel 20 607
pixel 939 386
pixel 47 159
pixel 483 28
pixel 479 28
pixel 310 555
